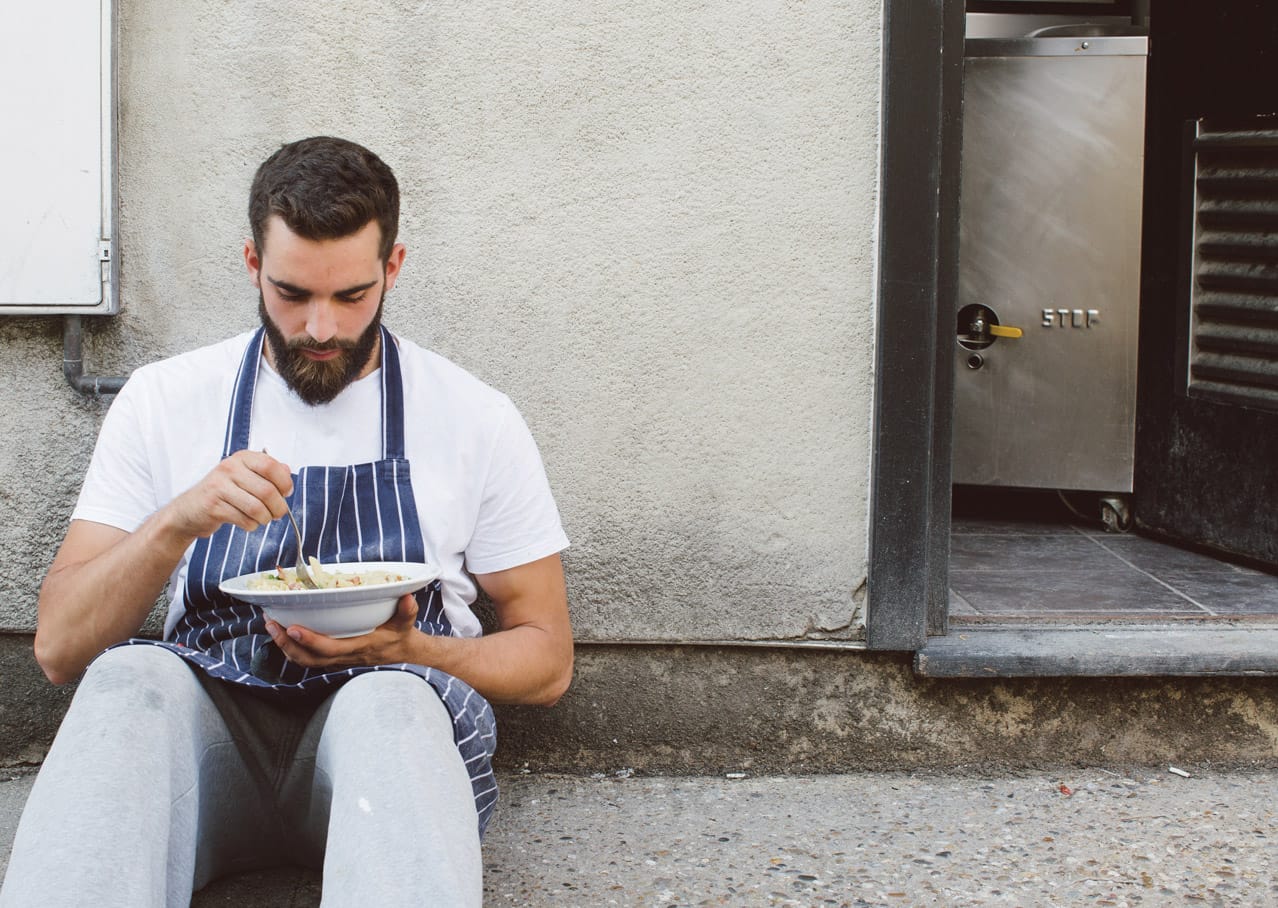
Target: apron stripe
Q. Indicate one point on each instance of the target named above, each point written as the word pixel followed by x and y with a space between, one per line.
pixel 399 510
pixel 198 568
pixel 356 514
pixel 381 534
pixel 386 416
pixel 324 492
pixel 301 482
pixel 226 550
pixel 265 535
pixel 252 543
pixel 346 512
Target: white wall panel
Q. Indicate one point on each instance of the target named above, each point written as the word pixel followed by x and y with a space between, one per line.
pixel 56 105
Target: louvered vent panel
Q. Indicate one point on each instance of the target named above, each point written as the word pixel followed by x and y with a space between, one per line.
pixel 1234 321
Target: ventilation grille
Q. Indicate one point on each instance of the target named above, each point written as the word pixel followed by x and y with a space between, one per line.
pixel 1233 353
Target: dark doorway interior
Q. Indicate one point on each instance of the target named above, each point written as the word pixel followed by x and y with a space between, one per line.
pixel 1207 407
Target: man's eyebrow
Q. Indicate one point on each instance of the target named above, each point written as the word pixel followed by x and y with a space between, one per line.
pixel 288 288
pixel 294 290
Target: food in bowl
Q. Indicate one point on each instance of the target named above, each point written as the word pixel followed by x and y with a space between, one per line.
pixel 286 578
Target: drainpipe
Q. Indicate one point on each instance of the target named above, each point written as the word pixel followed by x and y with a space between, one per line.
pixel 73 363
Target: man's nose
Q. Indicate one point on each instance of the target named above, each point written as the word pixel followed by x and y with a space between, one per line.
pixel 321 321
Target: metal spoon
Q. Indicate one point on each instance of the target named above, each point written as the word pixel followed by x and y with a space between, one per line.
pixel 302 573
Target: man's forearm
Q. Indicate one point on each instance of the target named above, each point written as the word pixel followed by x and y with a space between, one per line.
pixel 525 664
pixel 87 605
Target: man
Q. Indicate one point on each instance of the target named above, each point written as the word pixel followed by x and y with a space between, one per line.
pixel 235 742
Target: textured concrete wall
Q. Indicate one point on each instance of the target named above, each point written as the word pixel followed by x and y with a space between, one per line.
pixel 652 224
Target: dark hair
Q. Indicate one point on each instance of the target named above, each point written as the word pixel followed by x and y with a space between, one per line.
pixel 325 189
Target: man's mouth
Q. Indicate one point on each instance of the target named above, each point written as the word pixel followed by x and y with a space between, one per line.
pixel 319 355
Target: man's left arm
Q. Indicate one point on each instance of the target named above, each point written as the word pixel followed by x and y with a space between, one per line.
pixel 528 659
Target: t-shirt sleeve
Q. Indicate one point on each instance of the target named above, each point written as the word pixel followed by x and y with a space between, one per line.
pixel 518 520
pixel 118 488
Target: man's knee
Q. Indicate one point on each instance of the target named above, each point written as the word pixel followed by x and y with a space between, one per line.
pixel 139 678
pixel 390 700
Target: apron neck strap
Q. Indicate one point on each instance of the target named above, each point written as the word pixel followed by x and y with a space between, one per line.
pixel 240 417
pixel 392 399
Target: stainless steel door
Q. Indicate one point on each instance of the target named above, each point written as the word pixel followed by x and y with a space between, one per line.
pixel 1050 221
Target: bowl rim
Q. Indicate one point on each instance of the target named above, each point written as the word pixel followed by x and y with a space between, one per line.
pixel 418 574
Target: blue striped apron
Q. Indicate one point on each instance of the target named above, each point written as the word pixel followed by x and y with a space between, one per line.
pixel 361 512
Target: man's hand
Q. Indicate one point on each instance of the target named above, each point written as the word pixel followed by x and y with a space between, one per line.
pixel 246 489
pixel 387 644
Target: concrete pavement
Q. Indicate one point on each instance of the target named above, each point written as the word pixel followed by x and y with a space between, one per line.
pixel 1071 836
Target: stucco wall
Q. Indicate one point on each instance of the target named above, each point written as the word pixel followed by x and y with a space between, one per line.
pixel 651 224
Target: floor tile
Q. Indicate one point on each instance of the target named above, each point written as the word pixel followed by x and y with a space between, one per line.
pixel 1056 593
pixel 1028 554
pixel 1160 558
pixel 1232 593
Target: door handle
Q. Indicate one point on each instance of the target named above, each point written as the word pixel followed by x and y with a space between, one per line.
pixel 1005 331
pixel 978 327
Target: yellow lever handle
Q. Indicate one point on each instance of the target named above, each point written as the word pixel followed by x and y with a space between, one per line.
pixel 1005 331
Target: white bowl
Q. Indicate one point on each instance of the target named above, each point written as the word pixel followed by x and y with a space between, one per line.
pixel 342 612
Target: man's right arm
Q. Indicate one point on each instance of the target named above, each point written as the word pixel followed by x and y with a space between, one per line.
pixel 104 580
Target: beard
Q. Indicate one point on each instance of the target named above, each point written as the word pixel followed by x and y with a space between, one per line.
pixel 319 381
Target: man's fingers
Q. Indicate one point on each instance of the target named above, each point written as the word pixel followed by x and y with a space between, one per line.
pixel 254 484
pixel 278 474
pixel 311 648
pixel 289 642
pixel 244 508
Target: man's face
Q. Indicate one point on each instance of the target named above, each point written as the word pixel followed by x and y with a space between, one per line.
pixel 321 303
pixel 318 372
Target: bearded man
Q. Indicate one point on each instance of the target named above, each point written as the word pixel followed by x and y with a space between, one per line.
pixel 235 742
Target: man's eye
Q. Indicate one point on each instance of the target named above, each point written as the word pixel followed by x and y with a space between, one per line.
pixel 352 299
pixel 292 297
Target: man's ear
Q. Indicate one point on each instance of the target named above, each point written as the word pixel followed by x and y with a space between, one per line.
pixel 253 263
pixel 394 262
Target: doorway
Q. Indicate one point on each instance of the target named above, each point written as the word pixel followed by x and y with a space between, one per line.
pixel 1203 546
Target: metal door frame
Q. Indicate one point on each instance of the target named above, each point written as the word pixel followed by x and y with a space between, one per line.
pixel 908 583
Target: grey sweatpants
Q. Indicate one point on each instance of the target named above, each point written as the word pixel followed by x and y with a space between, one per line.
pixel 160 781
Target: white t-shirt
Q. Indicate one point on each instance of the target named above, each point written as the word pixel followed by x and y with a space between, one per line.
pixel 483 501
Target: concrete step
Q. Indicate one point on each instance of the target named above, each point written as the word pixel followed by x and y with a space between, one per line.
pixel 1069 836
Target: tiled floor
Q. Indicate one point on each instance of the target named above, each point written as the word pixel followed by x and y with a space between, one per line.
pixel 1013 567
